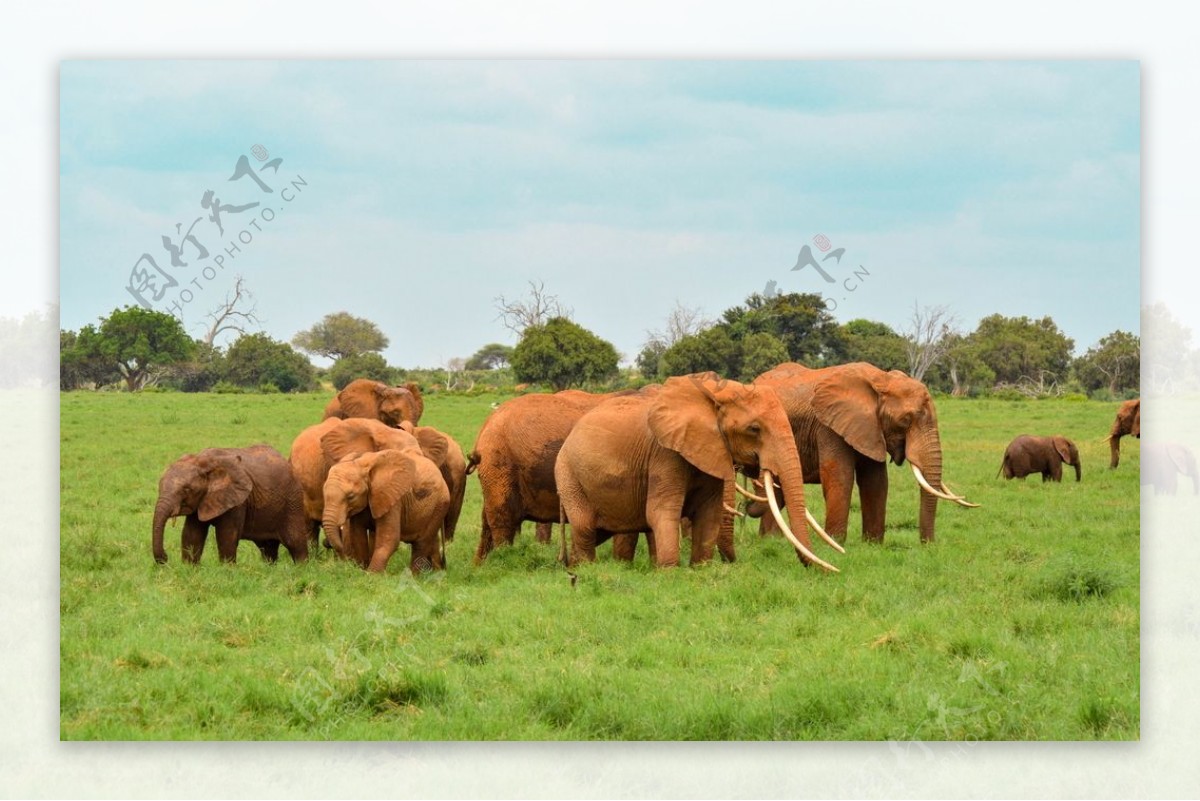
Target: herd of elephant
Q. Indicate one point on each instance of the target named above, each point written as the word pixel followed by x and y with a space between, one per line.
pixel 666 461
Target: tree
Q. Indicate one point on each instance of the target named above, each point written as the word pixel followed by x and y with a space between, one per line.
pixel 563 354
pixel 875 343
pixel 139 342
pixel 960 368
pixel 363 365
pixel 201 372
pixel 1114 363
pixel 236 313
pixel 492 356
pixel 799 320
pixel 761 352
pixel 711 349
pixel 255 360
pixel 1018 349
pixel 649 358
pixel 927 337
pixel 339 335
pixel 538 309
pixel 80 362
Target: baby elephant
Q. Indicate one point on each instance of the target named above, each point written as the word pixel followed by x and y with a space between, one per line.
pixel 1044 455
pixel 246 493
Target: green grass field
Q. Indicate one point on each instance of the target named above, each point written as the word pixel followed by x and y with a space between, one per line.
pixel 1019 623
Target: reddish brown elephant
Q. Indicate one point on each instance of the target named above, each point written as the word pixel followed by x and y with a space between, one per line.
pixel 375 501
pixel 645 461
pixel 1127 423
pixel 245 493
pixel 1028 454
pixel 375 400
pixel 453 467
pixel 514 458
pixel 847 421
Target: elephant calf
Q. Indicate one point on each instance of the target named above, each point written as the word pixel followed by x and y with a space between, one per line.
pixel 1044 455
pixel 246 493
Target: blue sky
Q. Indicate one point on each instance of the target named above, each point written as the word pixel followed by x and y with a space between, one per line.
pixel 431 187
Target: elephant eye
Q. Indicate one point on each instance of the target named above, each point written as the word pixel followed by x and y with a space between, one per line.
pixel 754 428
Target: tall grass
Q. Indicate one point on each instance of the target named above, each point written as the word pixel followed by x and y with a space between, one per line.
pixel 1019 622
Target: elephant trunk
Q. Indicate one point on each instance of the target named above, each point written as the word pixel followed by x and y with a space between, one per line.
pixel 333 522
pixel 163 510
pixel 781 462
pixel 925 454
pixel 1078 465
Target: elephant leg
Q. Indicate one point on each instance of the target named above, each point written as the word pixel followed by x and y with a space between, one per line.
pixel 872 494
pixel 229 529
pixel 269 550
pixel 625 546
pixel 382 554
pixel 194 535
pixel 544 532
pixel 425 554
pixel 485 541
pixel 651 547
pixel 836 470
pixel 664 512
pixel 706 528
pixel 725 535
pixel 583 535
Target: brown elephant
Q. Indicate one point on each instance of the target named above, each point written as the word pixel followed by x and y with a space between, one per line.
pixel 246 493
pixel 514 458
pixel 447 454
pixel 312 456
pixel 375 400
pixel 1127 422
pixel 847 421
pixel 645 461
pixel 1028 454
pixel 375 501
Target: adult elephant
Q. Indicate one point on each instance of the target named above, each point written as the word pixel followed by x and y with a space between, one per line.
pixel 514 458
pixel 1128 422
pixel 847 421
pixel 245 493
pixel 645 461
pixel 1164 462
pixel 376 400
pixel 1028 454
pixel 447 454
pixel 375 501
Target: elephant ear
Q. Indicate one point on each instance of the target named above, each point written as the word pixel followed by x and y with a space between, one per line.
pixel 418 401
pixel 361 400
pixel 391 476
pixel 849 404
pixel 433 444
pixel 1063 446
pixel 345 439
pixel 228 486
pixel 683 418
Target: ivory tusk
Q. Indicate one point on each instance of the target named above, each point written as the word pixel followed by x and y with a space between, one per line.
pixel 961 500
pixel 925 484
pixel 799 546
pixel 732 511
pixel 812 521
pixel 747 493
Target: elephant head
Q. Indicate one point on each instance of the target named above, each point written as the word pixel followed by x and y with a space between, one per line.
pixel 378 401
pixel 1127 422
pixel 207 484
pixel 1069 453
pixel 719 425
pixel 362 435
pixel 374 480
pixel 887 414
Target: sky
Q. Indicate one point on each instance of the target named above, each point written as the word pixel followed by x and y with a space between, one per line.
pixel 414 193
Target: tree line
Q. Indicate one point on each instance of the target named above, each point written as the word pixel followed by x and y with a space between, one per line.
pixel 136 348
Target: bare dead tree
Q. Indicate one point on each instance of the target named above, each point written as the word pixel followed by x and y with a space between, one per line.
pixel 232 314
pixel 536 309
pixel 456 373
pixel 682 321
pixel 929 335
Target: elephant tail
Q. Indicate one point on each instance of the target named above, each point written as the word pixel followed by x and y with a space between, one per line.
pixel 1003 464
pixel 473 460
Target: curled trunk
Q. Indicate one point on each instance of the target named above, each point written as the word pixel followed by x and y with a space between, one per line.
pixel 333 532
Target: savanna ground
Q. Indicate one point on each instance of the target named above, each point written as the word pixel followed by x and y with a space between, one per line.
pixel 1020 622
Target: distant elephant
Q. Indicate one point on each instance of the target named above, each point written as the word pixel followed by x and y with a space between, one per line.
pixel 375 400
pixel 1163 462
pixel 514 458
pixel 1128 421
pixel 375 501
pixel 246 493
pixel 1027 454
pixel 847 421
pixel 312 457
pixel 644 461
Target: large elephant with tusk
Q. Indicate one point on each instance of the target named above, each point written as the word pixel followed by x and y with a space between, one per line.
pixel 645 461
pixel 848 421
